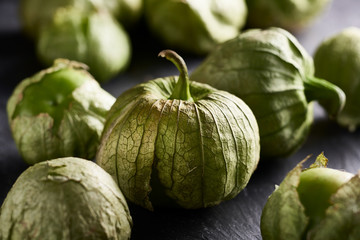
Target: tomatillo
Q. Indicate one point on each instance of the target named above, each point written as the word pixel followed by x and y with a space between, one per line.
pixel 274 75
pixel 58 112
pixel 173 142
pixel 93 37
pixel 196 26
pixel 65 198
pixel 338 60
pixel 315 203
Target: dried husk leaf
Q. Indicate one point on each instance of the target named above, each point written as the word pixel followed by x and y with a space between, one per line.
pixel 283 216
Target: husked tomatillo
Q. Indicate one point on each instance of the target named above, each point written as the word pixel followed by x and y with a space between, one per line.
pixel 337 59
pixel 65 198
pixel 93 37
pixel 173 142
pixel 58 112
pixel 316 203
pixel 274 75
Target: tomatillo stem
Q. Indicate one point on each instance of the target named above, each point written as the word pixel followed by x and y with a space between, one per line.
pixel 182 87
pixel 331 97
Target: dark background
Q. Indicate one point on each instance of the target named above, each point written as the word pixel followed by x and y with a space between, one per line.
pixel 235 219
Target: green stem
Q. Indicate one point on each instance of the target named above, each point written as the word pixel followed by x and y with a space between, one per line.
pixel 182 88
pixel 330 97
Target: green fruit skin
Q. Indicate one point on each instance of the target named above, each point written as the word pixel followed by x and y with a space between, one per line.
pixel 315 189
pixel 94 38
pixel 195 26
pixel 55 99
pixel 338 60
pixel 273 74
pixel 166 152
pixel 65 198
pixel 287 14
pixel 58 112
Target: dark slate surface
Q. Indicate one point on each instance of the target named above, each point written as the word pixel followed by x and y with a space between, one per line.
pixel 235 219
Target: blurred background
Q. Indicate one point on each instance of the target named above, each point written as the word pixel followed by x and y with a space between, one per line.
pixel 235 219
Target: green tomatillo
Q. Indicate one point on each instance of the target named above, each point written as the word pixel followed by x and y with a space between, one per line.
pixel 58 112
pixel 93 37
pixel 288 14
pixel 65 198
pixel 337 59
pixel 173 142
pixel 316 203
pixel 196 26
pixel 274 75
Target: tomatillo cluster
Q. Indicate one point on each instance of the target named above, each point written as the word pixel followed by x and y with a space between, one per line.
pixel 58 112
pixel 65 198
pixel 174 142
pixel 316 203
pixel 274 75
